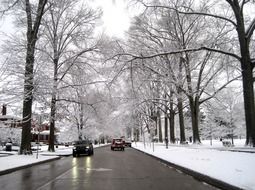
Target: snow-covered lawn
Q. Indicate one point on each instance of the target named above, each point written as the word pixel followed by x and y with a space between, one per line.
pixel 10 160
pixel 236 168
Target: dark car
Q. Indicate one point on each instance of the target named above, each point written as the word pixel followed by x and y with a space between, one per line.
pixel 128 143
pixel 82 147
pixel 118 144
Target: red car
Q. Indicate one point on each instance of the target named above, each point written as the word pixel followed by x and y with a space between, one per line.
pixel 118 144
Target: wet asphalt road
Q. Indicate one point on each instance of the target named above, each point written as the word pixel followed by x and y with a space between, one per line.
pixel 106 170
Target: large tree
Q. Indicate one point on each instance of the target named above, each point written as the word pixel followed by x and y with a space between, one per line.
pixel 33 18
pixel 65 41
pixel 29 14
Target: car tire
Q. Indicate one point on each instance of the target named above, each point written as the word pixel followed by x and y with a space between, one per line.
pixel 74 155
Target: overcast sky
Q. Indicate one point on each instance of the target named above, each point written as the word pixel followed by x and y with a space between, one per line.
pixel 115 18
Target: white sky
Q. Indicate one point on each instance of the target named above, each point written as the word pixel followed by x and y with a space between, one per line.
pixel 115 16
pixel 5 27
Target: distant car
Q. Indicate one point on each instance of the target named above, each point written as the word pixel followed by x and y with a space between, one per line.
pixel 118 144
pixel 82 147
pixel 128 143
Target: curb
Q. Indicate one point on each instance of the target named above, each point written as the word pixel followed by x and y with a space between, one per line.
pixel 242 151
pixel 200 177
pixel 37 163
pixel 26 166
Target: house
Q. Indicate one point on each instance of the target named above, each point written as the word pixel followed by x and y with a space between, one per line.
pixel 40 132
pixel 8 120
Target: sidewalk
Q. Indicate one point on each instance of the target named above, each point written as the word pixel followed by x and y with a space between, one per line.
pixel 16 162
pixel 219 166
pixel 11 161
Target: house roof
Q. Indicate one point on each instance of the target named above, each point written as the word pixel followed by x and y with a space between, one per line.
pixel 9 117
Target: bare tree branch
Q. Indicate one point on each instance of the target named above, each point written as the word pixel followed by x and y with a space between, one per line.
pixel 84 84
pixel 180 51
pixel 216 92
pixel 250 30
pixel 190 13
pixel 8 8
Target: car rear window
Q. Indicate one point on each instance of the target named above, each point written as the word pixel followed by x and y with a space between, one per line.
pixel 81 142
pixel 117 140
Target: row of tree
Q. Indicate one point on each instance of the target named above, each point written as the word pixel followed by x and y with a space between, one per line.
pixel 181 54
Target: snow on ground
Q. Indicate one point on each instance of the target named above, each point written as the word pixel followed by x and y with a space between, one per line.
pixel 14 161
pixel 236 168
pixel 11 159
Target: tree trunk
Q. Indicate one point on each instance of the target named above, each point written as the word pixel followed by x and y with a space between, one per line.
pixel 193 104
pixel 248 94
pixel 171 126
pixel 194 109
pixel 156 129
pixel 51 147
pixel 81 117
pixel 171 118
pixel 181 120
pixel 247 74
pixel 166 122
pixel 160 138
pixel 53 107
pixel 166 129
pixel 25 147
pixel 32 31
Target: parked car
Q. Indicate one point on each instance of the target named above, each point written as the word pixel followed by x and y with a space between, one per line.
pixel 118 144
pixel 82 147
pixel 8 146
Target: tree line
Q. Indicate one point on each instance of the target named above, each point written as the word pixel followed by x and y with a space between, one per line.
pixel 182 54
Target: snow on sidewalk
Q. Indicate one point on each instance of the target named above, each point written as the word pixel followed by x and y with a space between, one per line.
pixel 11 160
pixel 235 168
pixel 17 161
